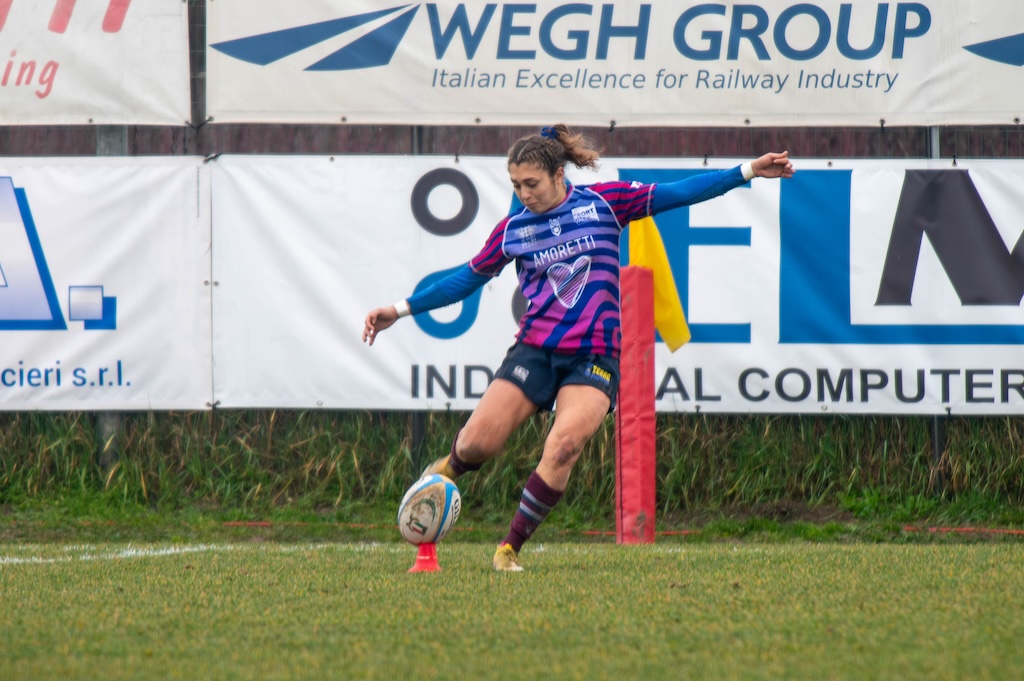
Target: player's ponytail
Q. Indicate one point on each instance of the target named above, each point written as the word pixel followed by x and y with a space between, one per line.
pixel 553 147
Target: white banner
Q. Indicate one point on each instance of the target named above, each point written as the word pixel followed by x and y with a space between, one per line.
pixel 773 63
pixel 855 287
pixel 102 62
pixel 105 284
pixel 310 245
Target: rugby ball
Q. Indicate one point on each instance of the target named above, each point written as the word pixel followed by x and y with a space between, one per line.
pixel 429 509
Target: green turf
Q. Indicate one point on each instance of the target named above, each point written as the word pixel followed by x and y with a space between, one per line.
pixel 582 610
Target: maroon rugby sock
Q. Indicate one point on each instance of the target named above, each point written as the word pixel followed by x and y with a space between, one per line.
pixel 458 465
pixel 537 501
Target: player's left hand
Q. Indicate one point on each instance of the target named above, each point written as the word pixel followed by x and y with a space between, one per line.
pixel 773 164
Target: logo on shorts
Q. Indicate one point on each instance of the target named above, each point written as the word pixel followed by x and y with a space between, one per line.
pixel 602 375
pixel 521 373
pixel 585 214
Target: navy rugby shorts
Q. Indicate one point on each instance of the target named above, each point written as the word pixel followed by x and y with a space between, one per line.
pixel 539 373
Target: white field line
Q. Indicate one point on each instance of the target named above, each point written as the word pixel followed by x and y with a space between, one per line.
pixel 80 553
pixel 86 552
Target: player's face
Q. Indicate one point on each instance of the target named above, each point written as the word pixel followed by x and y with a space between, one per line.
pixel 538 190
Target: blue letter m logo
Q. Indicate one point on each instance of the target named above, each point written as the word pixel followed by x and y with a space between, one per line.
pixel 942 206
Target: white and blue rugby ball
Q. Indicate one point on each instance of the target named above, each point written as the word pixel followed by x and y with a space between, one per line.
pixel 429 509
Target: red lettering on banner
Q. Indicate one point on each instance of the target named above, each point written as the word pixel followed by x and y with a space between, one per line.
pixel 113 20
pixel 46 77
pixel 5 8
pixel 61 15
pixel 24 73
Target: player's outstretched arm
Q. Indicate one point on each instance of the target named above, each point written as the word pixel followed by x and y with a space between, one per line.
pixel 377 321
pixel 773 164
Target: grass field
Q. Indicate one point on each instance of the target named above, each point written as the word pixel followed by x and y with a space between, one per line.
pixel 261 546
pixel 585 609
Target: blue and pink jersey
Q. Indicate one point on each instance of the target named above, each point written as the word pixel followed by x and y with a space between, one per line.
pixel 567 260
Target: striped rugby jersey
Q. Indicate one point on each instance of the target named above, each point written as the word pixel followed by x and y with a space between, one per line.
pixel 567 260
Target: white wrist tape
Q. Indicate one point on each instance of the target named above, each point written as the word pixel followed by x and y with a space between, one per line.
pixel 748 171
pixel 402 307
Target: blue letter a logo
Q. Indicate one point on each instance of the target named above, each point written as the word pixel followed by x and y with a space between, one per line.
pixel 28 300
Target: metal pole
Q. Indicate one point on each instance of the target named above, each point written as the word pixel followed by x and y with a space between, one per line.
pixel 418 440
pixel 938 449
pixel 934 142
pixel 111 140
pixel 418 419
pixel 938 422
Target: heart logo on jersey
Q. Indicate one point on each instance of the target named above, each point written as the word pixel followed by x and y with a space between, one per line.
pixel 568 282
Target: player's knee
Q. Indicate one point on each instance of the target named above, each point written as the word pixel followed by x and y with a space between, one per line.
pixel 564 449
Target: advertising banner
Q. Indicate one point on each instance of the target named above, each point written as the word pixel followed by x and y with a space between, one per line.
pixel 104 284
pixel 854 287
pixel 114 62
pixel 771 63
pixel 311 244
